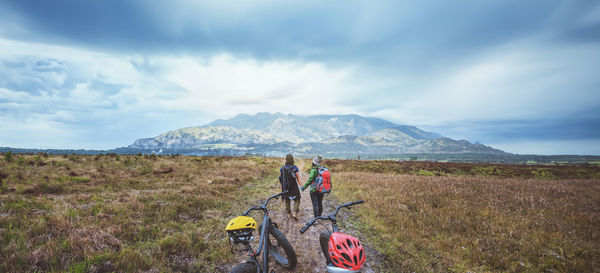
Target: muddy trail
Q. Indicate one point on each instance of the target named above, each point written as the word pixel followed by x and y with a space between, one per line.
pixel 308 251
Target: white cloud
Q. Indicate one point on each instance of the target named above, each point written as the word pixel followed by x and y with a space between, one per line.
pixel 225 86
pixel 169 92
pixel 155 93
pixel 514 82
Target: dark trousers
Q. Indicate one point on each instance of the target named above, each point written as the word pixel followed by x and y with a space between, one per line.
pixel 317 202
pixel 296 204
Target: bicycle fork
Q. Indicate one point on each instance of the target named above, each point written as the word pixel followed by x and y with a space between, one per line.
pixel 263 245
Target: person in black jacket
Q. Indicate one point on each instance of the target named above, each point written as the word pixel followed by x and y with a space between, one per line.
pixel 290 179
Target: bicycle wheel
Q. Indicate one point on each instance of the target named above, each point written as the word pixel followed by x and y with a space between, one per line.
pixel 324 242
pixel 244 268
pixel 281 249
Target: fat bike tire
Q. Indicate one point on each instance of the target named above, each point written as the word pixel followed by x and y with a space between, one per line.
pixel 324 242
pixel 244 268
pixel 289 261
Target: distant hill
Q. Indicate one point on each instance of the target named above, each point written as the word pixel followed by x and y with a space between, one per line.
pixel 199 137
pixel 278 134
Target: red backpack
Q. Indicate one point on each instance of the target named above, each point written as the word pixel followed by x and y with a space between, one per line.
pixel 322 183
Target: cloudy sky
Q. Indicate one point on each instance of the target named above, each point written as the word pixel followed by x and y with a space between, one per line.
pixel 522 76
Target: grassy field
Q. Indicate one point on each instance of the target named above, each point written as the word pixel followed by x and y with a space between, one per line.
pixel 445 217
pixel 469 169
pixel 123 213
pixel 104 213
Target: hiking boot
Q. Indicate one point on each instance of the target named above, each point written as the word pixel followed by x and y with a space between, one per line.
pixel 295 216
pixel 290 215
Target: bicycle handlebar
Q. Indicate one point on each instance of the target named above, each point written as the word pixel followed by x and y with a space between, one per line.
pixel 274 196
pixel 312 222
pixel 264 205
pixel 307 226
pixel 352 203
pixel 330 217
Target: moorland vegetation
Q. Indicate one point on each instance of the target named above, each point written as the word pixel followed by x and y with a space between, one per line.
pixel 440 217
pixel 105 213
pixel 124 213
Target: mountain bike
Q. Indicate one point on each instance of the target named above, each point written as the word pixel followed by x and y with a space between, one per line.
pixel 343 253
pixel 240 230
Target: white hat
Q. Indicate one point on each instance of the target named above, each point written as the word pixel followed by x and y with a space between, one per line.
pixel 317 160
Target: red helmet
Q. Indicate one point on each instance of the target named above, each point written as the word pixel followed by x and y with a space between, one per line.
pixel 346 251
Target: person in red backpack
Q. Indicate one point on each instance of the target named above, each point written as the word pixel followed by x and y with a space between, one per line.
pixel 315 196
pixel 289 179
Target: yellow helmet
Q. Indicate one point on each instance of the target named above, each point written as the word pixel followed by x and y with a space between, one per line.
pixel 240 229
pixel 241 222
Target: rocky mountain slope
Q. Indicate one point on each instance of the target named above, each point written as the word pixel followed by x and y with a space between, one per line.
pixel 277 134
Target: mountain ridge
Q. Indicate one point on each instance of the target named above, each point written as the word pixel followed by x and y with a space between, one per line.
pixel 278 134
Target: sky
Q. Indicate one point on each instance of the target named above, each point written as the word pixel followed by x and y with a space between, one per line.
pixel 521 76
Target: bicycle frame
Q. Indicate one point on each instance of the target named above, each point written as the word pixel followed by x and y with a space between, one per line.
pixel 264 236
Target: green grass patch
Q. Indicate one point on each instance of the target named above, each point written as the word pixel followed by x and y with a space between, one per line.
pixel 79 179
pixel 426 173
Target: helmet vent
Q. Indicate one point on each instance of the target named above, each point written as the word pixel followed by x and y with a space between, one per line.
pixel 249 224
pixel 355 261
pixel 360 257
pixel 346 257
pixel 349 243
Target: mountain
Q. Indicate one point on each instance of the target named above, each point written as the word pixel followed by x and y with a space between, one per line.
pixel 199 137
pixel 340 135
pixel 299 129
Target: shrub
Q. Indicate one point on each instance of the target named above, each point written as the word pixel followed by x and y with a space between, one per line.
pixel 169 245
pixel 2 176
pixel 8 156
pixel 131 260
pixel 145 170
pixel 52 187
pixel 127 162
pixel 426 173
pixel 79 179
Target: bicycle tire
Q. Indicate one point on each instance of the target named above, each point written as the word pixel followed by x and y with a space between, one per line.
pixel 291 260
pixel 324 242
pixel 244 268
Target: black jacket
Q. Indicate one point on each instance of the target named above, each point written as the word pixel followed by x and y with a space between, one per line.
pixel 289 182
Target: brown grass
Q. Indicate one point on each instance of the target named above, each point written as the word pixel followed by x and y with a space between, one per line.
pixel 460 169
pixel 472 223
pixel 123 213
pixel 137 213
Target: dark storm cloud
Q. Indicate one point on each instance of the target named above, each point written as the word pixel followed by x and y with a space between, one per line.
pixel 412 35
pixel 578 128
pixel 401 53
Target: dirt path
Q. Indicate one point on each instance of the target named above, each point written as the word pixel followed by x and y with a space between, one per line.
pixel 308 251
